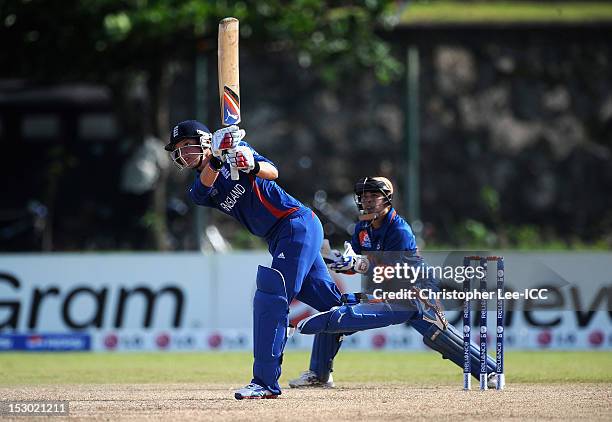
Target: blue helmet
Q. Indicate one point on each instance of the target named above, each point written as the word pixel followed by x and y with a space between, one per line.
pixel 189 129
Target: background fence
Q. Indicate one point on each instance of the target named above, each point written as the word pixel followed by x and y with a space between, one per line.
pixel 190 301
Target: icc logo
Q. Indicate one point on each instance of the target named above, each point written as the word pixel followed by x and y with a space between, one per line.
pixel 483 330
pixel 500 330
pixel 466 328
pixel 500 273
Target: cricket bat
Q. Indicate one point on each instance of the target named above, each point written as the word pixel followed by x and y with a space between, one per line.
pixel 229 80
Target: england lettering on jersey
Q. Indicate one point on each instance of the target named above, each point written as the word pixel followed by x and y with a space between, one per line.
pixel 232 198
pixel 257 203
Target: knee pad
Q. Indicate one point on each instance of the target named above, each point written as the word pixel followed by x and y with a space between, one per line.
pixel 270 280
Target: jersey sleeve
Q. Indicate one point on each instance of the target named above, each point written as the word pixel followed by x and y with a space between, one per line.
pixel 401 239
pixel 199 193
pixel 257 156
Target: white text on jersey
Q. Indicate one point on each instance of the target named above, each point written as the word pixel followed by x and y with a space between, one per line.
pixel 231 199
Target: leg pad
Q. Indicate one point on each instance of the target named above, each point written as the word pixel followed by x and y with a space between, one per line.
pixel 449 343
pixel 270 321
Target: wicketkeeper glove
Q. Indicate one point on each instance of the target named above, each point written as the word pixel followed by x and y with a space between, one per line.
pixel 329 255
pixel 349 262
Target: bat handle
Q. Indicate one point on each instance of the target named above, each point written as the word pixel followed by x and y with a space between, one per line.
pixel 234 171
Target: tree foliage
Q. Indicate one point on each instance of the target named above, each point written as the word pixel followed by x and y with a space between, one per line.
pixel 96 39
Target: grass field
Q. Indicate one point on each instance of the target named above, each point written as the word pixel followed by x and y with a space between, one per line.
pixel 235 368
pixel 369 385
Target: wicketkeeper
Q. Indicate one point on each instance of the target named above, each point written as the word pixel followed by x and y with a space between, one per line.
pixel 380 229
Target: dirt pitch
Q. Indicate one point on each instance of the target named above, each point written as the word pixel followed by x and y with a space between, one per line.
pixel 349 402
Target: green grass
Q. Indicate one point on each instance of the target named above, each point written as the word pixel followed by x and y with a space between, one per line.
pixel 425 12
pixel 235 367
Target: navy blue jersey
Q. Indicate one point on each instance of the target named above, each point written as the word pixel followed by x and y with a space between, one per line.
pixel 255 202
pixel 395 234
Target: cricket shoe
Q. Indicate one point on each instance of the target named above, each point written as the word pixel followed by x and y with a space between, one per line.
pixel 310 379
pixel 254 391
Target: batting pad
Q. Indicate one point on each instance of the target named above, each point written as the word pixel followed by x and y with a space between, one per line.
pixel 270 321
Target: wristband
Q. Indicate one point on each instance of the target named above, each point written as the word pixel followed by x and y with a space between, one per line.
pixel 215 164
pixel 256 168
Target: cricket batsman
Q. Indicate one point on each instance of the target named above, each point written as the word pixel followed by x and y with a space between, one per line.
pixel 293 232
pixel 380 229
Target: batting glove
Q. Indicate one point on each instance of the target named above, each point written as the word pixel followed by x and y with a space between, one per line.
pixel 242 158
pixel 225 139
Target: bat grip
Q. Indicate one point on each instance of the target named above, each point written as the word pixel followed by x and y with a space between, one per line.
pixel 234 171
